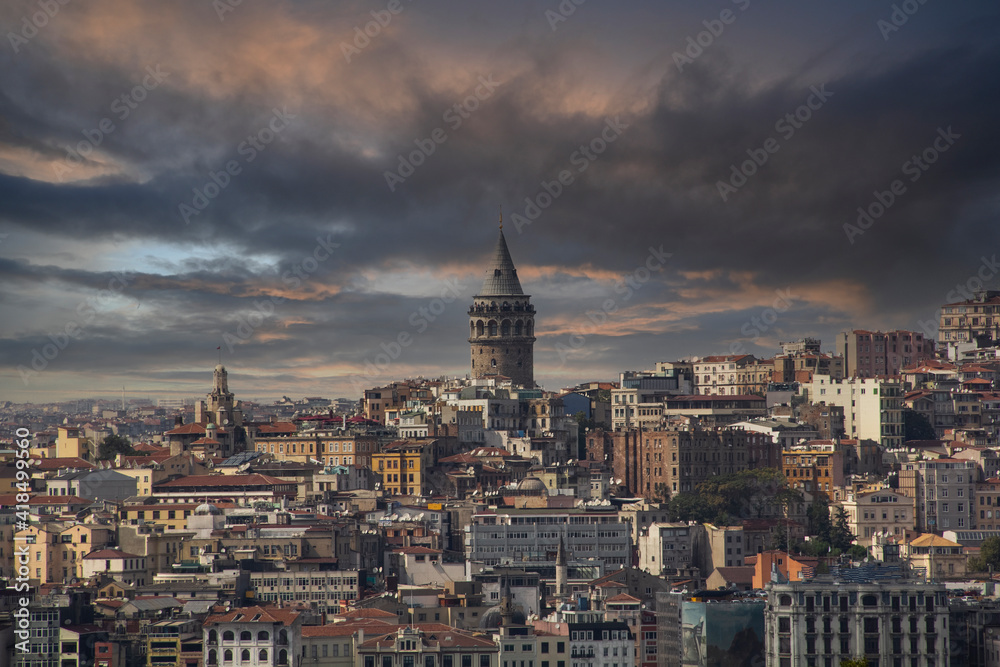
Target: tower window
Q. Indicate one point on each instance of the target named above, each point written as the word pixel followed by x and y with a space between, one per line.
pixel 493 363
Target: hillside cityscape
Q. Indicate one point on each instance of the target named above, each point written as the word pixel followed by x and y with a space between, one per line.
pixel 542 333
pixel 709 511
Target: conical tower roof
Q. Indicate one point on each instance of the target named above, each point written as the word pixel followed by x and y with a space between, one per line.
pixel 501 276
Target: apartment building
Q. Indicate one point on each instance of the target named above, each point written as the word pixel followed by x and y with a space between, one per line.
pixel 869 354
pixel 892 623
pixel 878 512
pixel 943 492
pixel 872 406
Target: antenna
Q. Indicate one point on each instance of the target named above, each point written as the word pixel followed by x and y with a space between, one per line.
pixel 501 216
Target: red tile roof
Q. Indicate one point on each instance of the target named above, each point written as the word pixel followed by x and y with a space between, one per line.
pixel 187 429
pixel 417 550
pixel 277 428
pixel 61 462
pixel 348 628
pixel 367 612
pixel 223 480
pixel 267 615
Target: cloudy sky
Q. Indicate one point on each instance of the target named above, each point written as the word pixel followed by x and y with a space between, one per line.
pixel 302 183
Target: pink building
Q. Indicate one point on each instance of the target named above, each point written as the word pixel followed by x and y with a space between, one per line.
pixel 878 354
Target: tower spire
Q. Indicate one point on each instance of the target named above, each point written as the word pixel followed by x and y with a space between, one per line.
pixel 501 217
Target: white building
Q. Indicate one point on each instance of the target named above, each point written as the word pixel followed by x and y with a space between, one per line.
pixel 892 622
pixel 872 406
pixel 666 547
pixel 253 637
pixel 119 565
pixel 782 431
pixel 884 511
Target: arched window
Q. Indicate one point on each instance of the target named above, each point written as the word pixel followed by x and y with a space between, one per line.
pixel 213 657
pixel 245 655
pixel 262 656
pixel 505 328
pixel 518 328
pixel 493 328
pixel 531 328
pixel 493 363
pixel 228 636
pixel 479 327
pixel 213 637
pixel 869 600
pixel 282 657
pixel 227 656
pixel 263 636
pixel 246 636
pixel 283 637
pixel 785 600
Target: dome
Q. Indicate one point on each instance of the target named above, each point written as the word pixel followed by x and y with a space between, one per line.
pixel 532 485
pixel 206 508
pixel 493 617
pixel 219 368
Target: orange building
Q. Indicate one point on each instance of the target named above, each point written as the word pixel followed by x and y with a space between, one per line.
pixel 792 568
pixel 816 467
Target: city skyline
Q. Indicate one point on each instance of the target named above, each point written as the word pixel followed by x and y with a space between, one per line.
pixel 298 186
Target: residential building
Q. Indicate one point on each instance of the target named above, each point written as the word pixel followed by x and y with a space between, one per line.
pixel 429 645
pixel 652 463
pixel 719 546
pixel 872 406
pixel 883 511
pixel 940 558
pixel 942 490
pixel 253 637
pixel 122 566
pixel 666 547
pixel 972 321
pixel 720 375
pixel 816 467
pixel 986 505
pixel 869 354
pixel 531 537
pixel 891 622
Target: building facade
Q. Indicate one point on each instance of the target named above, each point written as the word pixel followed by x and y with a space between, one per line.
pixel 892 623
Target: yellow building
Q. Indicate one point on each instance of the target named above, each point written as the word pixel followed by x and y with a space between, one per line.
pixel 56 549
pixel 69 443
pixel 941 558
pixel 328 447
pixel 147 470
pixel 402 465
pixel 172 516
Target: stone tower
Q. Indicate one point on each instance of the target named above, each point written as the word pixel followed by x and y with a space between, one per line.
pixel 502 323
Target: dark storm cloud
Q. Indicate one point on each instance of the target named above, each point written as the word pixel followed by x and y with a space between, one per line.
pixel 322 179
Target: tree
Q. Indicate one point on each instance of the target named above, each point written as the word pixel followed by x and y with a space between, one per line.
pixel 693 507
pixel 818 518
pixel 113 445
pixel 917 427
pixel 989 552
pixel 857 552
pixel 860 661
pixel 840 533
